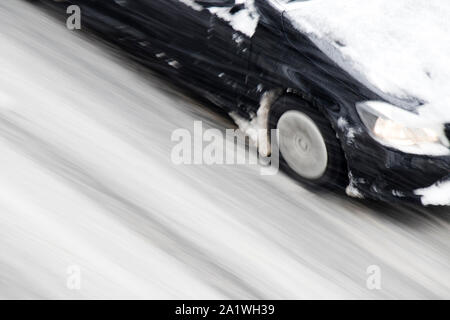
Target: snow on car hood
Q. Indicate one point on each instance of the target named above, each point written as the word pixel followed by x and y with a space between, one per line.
pixel 400 49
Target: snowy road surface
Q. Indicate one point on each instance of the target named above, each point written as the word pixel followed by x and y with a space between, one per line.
pixel 87 184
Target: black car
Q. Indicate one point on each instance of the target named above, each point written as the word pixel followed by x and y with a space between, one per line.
pixel 251 58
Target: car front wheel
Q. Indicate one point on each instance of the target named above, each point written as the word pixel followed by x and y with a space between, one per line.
pixel 309 149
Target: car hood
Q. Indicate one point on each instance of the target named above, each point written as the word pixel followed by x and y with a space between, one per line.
pixel 400 49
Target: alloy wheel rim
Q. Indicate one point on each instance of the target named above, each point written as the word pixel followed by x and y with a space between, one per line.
pixel 302 145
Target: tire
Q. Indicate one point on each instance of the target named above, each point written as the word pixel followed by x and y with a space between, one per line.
pixel 310 151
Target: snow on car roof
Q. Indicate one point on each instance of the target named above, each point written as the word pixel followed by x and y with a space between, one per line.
pixel 400 49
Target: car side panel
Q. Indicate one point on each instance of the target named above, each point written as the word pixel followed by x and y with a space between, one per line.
pixel 171 37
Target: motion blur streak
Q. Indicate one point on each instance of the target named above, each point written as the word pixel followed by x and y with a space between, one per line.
pixel 86 179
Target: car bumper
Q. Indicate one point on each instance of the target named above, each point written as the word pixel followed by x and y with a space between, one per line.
pixel 386 174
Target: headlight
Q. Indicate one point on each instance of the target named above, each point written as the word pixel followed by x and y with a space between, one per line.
pixel 401 129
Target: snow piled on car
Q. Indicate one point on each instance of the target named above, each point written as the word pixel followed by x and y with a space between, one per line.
pixel 398 48
pixel 244 20
pixel 438 194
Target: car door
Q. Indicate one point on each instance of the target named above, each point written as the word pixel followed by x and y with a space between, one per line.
pixel 229 43
pixel 210 50
pixel 180 26
pixel 194 39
